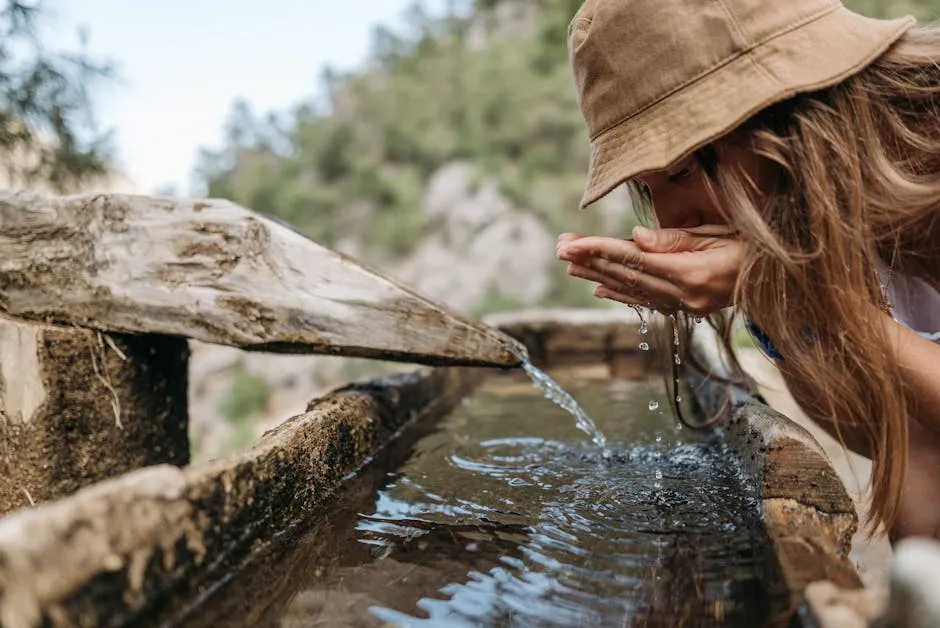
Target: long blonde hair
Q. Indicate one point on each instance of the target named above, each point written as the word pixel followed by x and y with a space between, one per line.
pixel 857 169
pixel 858 178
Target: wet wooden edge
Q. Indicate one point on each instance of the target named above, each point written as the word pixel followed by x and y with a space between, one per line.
pixel 806 510
pixel 116 552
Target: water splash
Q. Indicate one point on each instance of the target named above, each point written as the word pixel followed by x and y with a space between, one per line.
pixel 560 396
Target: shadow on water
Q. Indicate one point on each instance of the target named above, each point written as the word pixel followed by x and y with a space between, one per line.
pixel 503 514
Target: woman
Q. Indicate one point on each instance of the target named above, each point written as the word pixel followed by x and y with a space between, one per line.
pixel 791 154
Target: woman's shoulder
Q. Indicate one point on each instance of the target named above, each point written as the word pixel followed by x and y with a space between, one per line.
pixel 915 302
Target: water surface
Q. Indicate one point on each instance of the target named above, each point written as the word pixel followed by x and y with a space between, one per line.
pixel 507 515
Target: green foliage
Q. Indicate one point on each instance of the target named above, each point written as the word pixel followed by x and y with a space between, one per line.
pixel 246 398
pixel 925 10
pixel 47 131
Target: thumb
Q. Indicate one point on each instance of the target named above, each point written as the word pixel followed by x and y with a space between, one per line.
pixel 569 237
pixel 678 240
pixel 663 240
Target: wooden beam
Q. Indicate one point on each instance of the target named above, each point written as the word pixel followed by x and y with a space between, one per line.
pixel 217 272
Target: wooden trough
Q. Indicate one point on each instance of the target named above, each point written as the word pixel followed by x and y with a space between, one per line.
pixel 133 550
pixel 109 524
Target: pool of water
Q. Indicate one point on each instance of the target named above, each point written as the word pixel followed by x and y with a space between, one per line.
pixel 505 514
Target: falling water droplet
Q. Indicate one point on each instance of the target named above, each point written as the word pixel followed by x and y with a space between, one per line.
pixel 659 438
pixel 644 346
pixel 654 405
pixel 659 474
pixel 639 313
pixel 678 398
pixel 698 320
pixel 644 328
pixel 678 359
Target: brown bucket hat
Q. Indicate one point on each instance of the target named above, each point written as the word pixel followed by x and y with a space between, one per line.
pixel 659 79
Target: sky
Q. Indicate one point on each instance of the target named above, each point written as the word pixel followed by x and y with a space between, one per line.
pixel 183 62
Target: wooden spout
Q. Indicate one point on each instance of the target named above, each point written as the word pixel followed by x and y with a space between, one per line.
pixel 217 272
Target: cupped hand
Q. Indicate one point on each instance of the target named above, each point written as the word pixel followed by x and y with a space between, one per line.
pixel 694 270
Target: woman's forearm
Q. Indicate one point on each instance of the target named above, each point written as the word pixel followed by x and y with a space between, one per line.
pixel 852 436
pixel 919 361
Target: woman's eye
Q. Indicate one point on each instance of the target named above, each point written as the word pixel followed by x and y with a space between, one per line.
pixel 682 173
pixel 678 176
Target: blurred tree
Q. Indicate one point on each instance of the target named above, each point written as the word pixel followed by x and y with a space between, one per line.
pixel 355 161
pixel 48 133
pixel 922 9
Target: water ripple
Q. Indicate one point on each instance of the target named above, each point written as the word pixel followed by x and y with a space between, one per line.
pixel 508 516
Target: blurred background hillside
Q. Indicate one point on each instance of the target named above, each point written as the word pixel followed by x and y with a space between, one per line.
pixel 450 157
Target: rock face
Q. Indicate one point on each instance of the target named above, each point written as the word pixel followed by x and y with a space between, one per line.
pixel 482 244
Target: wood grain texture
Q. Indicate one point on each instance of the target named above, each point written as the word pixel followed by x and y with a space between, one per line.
pixel 122 552
pixel 217 272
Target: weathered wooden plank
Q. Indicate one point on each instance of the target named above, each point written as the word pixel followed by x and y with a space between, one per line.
pixel 78 406
pixel 217 272
pixel 911 601
pixel 807 513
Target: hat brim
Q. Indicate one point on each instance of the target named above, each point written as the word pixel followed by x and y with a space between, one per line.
pixel 816 55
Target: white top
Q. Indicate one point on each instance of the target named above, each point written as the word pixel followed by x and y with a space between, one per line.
pixel 916 302
pixel 916 306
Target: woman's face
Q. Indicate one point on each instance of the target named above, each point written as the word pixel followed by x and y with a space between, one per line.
pixel 680 196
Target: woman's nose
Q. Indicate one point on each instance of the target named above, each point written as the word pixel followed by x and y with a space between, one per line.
pixel 676 211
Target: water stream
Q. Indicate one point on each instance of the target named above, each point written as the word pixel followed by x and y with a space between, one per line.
pixel 562 398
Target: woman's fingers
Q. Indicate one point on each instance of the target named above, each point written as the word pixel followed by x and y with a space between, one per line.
pixel 622 252
pixel 568 237
pixel 640 288
pixel 602 292
pixel 699 276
